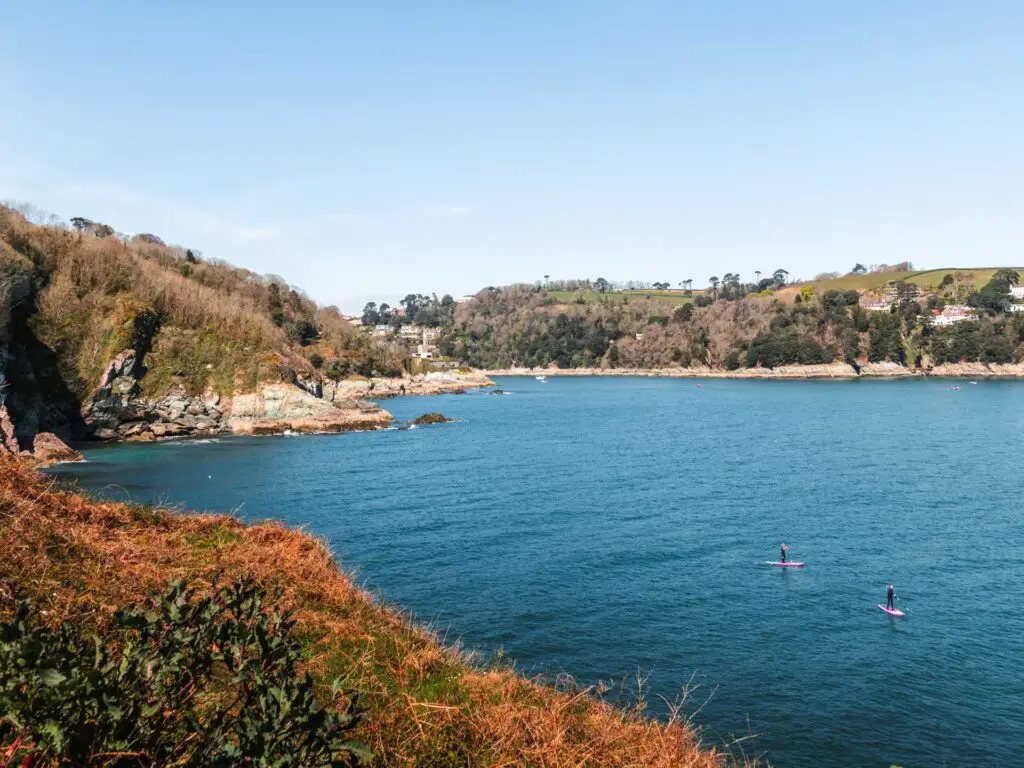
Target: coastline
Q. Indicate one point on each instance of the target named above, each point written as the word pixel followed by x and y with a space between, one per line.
pixel 842 371
pixel 272 409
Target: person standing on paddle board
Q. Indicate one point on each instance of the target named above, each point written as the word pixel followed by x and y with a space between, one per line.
pixel 782 553
pixel 890 597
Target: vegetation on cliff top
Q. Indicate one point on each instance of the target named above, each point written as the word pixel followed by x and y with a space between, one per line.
pixel 423 704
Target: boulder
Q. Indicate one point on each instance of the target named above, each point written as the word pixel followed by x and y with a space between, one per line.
pixel 50 449
pixel 431 418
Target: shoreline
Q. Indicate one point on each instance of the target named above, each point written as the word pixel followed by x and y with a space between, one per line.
pixel 285 410
pixel 838 371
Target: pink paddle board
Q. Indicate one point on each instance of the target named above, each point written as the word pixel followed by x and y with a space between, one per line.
pixel 784 565
pixel 891 611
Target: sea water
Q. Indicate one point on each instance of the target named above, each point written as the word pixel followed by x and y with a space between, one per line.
pixel 601 527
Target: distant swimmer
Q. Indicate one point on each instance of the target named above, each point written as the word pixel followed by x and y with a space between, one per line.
pixel 890 597
pixel 782 553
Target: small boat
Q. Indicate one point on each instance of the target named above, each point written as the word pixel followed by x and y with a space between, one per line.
pixel 542 379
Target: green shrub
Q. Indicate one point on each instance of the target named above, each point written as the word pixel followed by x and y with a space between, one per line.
pixel 193 681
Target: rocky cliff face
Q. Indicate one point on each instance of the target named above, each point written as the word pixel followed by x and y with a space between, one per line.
pixel 286 408
pixel 118 411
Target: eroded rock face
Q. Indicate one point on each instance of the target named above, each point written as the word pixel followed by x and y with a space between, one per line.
pixel 117 412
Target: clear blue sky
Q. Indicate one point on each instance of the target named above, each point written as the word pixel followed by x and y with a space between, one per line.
pixel 373 149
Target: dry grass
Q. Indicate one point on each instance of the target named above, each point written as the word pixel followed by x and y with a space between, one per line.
pixel 427 705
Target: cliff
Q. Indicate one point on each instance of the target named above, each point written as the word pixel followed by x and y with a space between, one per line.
pixel 106 337
pixel 425 704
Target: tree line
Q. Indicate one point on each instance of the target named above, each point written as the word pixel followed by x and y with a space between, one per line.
pixel 732 327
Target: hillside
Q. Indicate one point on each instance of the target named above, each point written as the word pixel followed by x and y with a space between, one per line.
pixel 887 317
pixel 927 281
pixel 424 704
pixel 110 337
pixel 670 297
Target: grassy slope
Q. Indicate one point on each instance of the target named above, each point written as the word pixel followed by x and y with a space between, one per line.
pixel 673 297
pixel 926 280
pixel 427 705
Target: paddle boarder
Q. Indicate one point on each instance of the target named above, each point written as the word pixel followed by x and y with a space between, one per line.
pixel 782 553
pixel 890 597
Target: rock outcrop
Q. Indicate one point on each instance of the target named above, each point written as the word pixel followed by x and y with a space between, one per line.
pixel 117 411
pixel 279 408
pixel 431 418
pixel 47 449
pixel 433 383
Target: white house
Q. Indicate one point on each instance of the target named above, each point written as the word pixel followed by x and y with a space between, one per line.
pixel 952 314
pixel 1017 291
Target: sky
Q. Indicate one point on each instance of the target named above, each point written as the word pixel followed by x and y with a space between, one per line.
pixel 367 150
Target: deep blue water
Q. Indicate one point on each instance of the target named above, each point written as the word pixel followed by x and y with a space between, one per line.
pixel 598 526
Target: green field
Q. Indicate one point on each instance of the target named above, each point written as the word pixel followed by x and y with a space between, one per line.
pixel 926 280
pixel 674 297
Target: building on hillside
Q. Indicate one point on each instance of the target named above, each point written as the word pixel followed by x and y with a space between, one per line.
pixel 877 306
pixel 381 330
pixel 421 333
pixel 424 337
pixel 354 321
pixel 1013 309
pixel 463 299
pixel 951 315
pixel 1017 291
